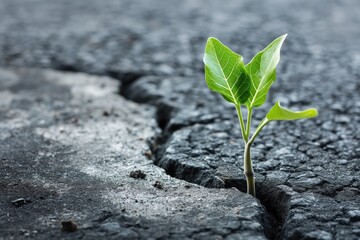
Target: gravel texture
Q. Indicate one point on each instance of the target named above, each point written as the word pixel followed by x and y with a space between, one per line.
pixel 307 172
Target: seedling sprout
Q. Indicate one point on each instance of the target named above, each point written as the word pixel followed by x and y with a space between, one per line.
pixel 248 85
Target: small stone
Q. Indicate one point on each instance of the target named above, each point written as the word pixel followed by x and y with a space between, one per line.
pixel 342 162
pixel 158 185
pixel 342 119
pixel 137 174
pixel 328 125
pixel 68 226
pixel 318 169
pixel 20 202
pixel 354 215
pixel 106 114
pixel 337 107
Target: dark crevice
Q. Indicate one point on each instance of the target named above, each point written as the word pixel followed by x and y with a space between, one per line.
pixel 164 112
pixel 126 78
pixel 66 68
pixel 276 202
pixel 273 198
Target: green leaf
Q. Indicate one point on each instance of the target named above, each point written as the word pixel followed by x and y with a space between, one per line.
pixel 225 72
pixel 278 112
pixel 262 70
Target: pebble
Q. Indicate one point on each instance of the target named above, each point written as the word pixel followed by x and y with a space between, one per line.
pixel 354 215
pixel 137 174
pixel 342 161
pixel 158 185
pixel 68 226
pixel 342 119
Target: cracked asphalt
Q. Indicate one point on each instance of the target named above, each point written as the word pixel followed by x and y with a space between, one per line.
pixel 126 92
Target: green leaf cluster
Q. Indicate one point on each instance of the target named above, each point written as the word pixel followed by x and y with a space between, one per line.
pixel 248 85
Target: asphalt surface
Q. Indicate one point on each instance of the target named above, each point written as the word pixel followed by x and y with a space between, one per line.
pixel 307 171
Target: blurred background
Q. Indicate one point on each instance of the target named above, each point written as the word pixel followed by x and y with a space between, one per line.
pixel 167 37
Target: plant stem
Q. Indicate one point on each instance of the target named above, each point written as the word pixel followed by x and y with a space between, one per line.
pixel 241 121
pixel 248 122
pixel 248 171
pixel 261 125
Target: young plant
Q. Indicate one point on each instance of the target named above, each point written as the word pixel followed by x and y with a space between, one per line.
pixel 247 85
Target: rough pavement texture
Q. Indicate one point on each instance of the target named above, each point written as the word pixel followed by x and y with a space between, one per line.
pixel 69 143
pixel 307 171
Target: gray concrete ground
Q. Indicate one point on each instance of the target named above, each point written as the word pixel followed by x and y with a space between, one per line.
pixel 69 141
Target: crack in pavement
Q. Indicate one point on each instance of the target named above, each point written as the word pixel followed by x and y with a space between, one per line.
pixel 104 137
pixel 274 199
pixel 281 199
